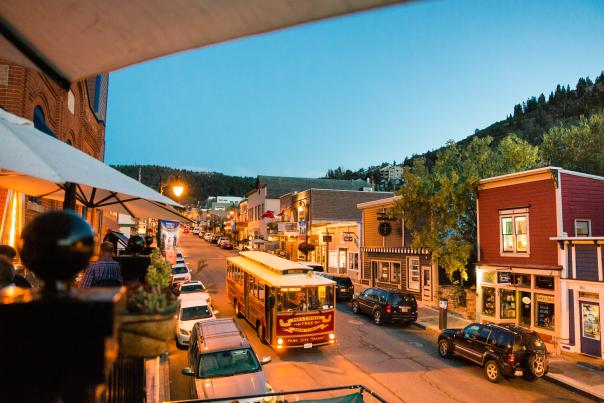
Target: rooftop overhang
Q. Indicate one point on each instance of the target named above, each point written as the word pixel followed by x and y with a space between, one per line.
pixel 69 40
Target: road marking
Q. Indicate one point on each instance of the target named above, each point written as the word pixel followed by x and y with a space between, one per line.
pixel 355 322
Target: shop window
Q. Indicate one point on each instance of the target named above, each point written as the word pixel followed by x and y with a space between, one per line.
pixel 514 233
pixel 544 313
pixel 354 261
pixel 521 280
pixel 413 274
pixel 508 304
pixel 582 227
pixel 590 321
pixel 395 272
pixel 544 282
pixel 489 277
pixel 384 271
pixel 488 301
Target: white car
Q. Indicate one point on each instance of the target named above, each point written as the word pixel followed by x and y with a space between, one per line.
pixel 196 231
pixel 180 273
pixel 192 308
pixel 221 240
pixel 194 288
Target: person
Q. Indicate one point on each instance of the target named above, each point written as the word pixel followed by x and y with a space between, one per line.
pixel 10 253
pixel 105 272
pixel 110 237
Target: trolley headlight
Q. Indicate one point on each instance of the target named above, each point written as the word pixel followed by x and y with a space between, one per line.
pixel 279 341
pixel 332 336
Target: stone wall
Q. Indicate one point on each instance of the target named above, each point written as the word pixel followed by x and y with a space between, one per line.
pixel 455 296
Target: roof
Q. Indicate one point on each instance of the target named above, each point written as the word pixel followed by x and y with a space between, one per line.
pixel 70 40
pixel 274 278
pixel 379 202
pixel 195 299
pixel 278 186
pixel 220 334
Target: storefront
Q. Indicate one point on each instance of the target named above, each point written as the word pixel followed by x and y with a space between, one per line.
pixel 584 326
pixel 523 297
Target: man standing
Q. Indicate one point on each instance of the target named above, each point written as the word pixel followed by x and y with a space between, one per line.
pixel 105 272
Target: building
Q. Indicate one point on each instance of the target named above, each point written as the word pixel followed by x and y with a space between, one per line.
pixel 264 199
pixel 526 272
pixel 330 221
pixel 222 202
pixel 392 173
pixel 387 258
pixel 75 116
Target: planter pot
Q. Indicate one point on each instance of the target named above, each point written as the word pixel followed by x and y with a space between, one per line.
pixel 145 336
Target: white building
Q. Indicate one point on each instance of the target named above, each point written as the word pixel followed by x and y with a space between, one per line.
pixel 392 172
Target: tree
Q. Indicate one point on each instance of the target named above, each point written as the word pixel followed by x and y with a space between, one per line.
pixel 578 147
pixel 438 204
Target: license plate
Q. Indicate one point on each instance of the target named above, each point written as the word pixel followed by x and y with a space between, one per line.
pixel 518 372
pixel 308 345
pixel 404 309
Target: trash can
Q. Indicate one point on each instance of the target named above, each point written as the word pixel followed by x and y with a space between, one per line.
pixel 443 306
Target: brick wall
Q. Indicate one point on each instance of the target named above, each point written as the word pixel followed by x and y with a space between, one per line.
pixel 455 304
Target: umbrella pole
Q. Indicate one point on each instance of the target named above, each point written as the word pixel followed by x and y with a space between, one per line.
pixel 69 202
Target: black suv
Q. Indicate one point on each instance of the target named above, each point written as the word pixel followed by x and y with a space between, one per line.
pixel 502 350
pixel 344 286
pixel 386 306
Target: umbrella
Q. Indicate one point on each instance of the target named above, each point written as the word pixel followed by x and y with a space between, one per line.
pixel 70 40
pixel 39 165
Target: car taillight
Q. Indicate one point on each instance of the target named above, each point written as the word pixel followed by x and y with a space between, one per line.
pixel 510 359
pixel 388 308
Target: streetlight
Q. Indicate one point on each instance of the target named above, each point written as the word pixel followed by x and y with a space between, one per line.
pixel 177 190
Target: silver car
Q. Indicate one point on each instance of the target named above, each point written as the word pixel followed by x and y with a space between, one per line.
pixel 222 362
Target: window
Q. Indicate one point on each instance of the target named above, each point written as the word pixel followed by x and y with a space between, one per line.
pixel 544 282
pixel 413 274
pixel 396 273
pixel 582 227
pixel 501 339
pixel 483 334
pixel 488 301
pixel 261 292
pixel 385 271
pixel 514 233
pixel 508 304
pixel 471 330
pixel 354 261
pixel 544 312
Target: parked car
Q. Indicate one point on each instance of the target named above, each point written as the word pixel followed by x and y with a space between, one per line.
pixel 222 362
pixel 207 236
pixel 504 350
pixel 226 245
pixel 186 229
pixel 215 238
pixel 180 273
pixel 221 240
pixel 194 287
pixel 318 267
pixel 344 286
pixel 195 231
pixel 192 308
pixel 386 306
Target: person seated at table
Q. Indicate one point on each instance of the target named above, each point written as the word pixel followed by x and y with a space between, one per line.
pixel 10 253
pixel 105 272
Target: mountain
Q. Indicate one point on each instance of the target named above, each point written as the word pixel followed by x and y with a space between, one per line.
pixel 529 121
pixel 198 185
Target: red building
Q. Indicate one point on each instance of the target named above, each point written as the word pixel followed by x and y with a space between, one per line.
pixel 521 270
pixel 75 116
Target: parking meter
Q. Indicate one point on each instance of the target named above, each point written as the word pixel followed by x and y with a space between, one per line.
pixel 443 306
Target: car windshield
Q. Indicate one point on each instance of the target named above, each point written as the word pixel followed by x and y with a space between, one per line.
pixel 305 299
pixel 179 270
pixel 402 299
pixel 343 282
pixel 195 312
pixel 226 363
pixel 191 288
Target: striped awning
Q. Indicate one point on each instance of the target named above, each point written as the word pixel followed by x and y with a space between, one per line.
pixel 402 251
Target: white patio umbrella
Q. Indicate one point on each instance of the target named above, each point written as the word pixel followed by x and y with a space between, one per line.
pixel 39 165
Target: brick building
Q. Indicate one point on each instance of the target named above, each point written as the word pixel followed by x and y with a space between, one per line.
pixel 330 220
pixel 75 116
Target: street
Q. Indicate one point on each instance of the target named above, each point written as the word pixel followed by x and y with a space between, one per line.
pixel 399 363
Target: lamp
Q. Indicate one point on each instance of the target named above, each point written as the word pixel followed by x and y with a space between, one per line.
pixel 178 189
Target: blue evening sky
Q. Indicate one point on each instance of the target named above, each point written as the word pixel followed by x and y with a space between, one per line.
pixel 353 91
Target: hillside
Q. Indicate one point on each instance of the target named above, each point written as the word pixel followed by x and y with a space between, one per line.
pixel 528 120
pixel 199 185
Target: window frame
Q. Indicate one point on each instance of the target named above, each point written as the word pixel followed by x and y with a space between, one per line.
pixel 419 280
pixel 513 214
pixel 588 221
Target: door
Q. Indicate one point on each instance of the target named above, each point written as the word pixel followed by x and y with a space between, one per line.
pixel 269 313
pixel 246 294
pixel 590 328
pixel 342 260
pixel 374 272
pixel 427 283
pixel 525 309
pixel 468 343
pixel 366 299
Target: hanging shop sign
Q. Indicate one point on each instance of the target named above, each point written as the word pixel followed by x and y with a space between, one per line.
pixel 385 228
pixel 347 238
pixel 504 277
pixel 327 238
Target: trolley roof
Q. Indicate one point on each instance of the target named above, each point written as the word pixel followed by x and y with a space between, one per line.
pixel 277 271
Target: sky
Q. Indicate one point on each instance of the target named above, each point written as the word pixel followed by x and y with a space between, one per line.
pixel 353 91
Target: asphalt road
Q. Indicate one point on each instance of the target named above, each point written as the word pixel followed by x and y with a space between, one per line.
pixel 399 363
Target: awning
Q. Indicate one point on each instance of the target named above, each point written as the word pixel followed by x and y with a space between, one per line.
pixel 39 165
pixel 73 39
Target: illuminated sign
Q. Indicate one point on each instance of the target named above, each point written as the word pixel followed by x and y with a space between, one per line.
pixel 304 324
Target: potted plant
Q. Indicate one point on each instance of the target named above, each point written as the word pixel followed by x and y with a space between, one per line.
pixel 149 320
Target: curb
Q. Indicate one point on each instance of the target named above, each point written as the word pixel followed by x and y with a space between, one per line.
pixel 572 388
pixel 420 325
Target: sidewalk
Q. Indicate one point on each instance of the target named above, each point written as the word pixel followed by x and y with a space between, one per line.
pixel 576 372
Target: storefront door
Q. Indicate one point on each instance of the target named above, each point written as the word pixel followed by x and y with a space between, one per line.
pixel 342 253
pixel 525 309
pixel 590 328
pixel 427 284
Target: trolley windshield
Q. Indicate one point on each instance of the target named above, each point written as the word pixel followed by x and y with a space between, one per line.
pixel 302 299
